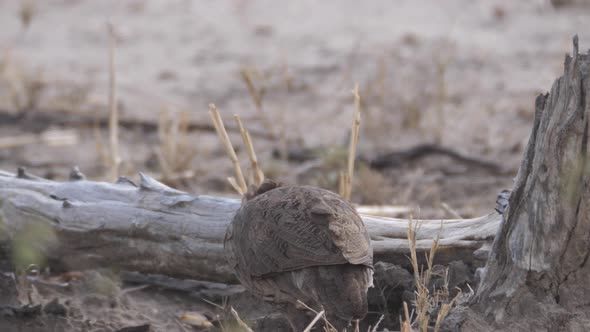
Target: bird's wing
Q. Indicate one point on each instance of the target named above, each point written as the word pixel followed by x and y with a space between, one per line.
pixel 290 228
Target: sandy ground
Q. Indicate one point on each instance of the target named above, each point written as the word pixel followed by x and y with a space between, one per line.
pixel 461 74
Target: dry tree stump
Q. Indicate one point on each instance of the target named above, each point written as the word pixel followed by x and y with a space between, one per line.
pixel 537 277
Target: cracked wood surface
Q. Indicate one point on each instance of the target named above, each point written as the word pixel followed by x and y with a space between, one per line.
pixel 537 275
pixel 151 228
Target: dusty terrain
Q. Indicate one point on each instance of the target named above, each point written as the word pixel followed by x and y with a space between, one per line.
pixel 462 75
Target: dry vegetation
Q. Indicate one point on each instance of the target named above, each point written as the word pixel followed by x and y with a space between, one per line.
pixel 298 115
pixel 431 303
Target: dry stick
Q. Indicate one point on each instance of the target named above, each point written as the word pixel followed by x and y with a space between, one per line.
pixel 315 320
pixel 377 324
pixel 452 212
pixel 114 111
pixel 258 174
pixel 354 135
pixel 239 320
pixel 315 312
pixel 239 184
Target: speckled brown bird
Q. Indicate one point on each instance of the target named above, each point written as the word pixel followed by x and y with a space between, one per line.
pixel 289 243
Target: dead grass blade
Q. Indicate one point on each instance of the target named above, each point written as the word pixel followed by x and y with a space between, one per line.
pixel 239 320
pixel 346 179
pixel 330 327
pixel 238 182
pixel 258 174
pixel 444 311
pixel 256 95
pixel 405 325
pixel 425 302
pixel 452 212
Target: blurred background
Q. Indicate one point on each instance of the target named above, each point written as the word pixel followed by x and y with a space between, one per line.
pixel 447 91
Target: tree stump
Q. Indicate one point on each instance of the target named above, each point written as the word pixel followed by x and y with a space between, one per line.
pixel 537 277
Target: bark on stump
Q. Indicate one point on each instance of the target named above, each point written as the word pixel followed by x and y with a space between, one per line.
pixel 537 277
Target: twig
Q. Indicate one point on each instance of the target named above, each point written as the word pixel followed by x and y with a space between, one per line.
pixel 450 211
pixel 316 312
pixel 377 324
pixel 315 320
pixel 114 111
pixel 239 184
pixel 258 174
pixel 240 321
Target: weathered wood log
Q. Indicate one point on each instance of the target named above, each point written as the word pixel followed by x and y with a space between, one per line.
pixel 152 228
pixel 538 274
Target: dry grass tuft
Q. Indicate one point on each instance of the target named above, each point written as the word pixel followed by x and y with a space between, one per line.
pixel 425 302
pixel 238 183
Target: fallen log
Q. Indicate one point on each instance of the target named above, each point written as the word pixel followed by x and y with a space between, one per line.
pixel 152 228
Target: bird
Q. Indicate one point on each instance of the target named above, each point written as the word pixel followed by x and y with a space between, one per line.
pixel 293 244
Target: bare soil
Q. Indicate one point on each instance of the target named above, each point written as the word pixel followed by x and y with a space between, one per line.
pixel 462 75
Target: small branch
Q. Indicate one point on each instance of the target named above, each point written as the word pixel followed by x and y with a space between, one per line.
pixel 314 321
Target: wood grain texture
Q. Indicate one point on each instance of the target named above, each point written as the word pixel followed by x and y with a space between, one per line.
pixel 537 277
pixel 152 228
